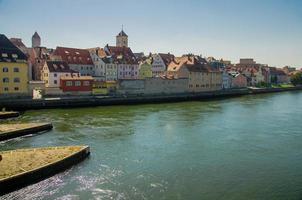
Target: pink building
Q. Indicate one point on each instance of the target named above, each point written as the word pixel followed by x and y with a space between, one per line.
pixel 238 80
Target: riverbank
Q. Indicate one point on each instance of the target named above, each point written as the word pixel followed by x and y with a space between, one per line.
pixel 90 101
pixel 9 131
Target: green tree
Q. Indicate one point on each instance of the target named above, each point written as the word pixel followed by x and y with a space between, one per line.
pixel 296 79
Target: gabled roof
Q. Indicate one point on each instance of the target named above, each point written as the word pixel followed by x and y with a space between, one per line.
pixel 192 63
pixel 18 42
pixel 121 55
pixel 9 52
pixel 74 56
pixel 122 33
pixel 167 58
pixel 59 66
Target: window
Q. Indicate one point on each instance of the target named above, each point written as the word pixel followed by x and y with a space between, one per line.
pixel 5 89
pixel 55 82
pixel 16 69
pixel 68 83
pixel 78 83
pixel 5 80
pixel 14 55
pixel 16 88
pixel 5 69
pixel 16 80
pixel 86 83
pixel 4 55
pixel 55 75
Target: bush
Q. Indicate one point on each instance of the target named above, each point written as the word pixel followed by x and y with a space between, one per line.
pixel 296 79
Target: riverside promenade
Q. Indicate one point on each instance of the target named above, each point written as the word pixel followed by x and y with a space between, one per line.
pixel 89 101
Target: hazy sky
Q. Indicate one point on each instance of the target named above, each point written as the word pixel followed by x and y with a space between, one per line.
pixel 268 30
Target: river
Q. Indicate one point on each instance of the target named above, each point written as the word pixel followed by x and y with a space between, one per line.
pixel 248 147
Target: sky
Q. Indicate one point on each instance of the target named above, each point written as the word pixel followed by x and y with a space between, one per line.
pixel 270 31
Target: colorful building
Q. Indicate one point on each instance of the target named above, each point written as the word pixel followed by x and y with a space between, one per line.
pixel 238 80
pixel 76 84
pixel 13 68
pixel 53 71
pixel 160 63
pixel 77 59
pixel 145 70
pixel 123 57
pixel 202 77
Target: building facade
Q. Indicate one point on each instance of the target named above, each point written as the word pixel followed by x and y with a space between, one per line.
pixel 123 57
pixel 13 68
pixel 160 63
pixel 52 72
pixel 76 84
pixel 77 59
pixel 145 70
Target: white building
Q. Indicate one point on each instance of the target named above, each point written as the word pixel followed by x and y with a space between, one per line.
pixel 123 57
pixel 99 65
pixel 160 63
pixel 53 70
pixel 77 59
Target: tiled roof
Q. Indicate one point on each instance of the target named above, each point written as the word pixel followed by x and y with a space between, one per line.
pixel 121 55
pixel 59 66
pixel 18 42
pixel 167 58
pixel 191 63
pixel 9 52
pixel 277 72
pixel 74 56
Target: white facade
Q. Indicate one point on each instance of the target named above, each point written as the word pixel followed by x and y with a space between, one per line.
pixel 99 66
pixel 111 72
pixel 226 80
pixel 158 65
pixel 52 79
pixel 85 70
pixel 128 71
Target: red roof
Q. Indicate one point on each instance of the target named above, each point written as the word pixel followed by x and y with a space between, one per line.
pixel 74 56
pixel 122 55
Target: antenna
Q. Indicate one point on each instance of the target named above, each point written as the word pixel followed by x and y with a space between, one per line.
pixel 122 27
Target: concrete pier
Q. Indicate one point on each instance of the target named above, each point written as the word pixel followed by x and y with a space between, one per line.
pixel 9 131
pixel 19 168
pixel 8 114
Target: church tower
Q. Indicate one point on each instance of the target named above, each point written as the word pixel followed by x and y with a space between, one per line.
pixel 36 40
pixel 122 39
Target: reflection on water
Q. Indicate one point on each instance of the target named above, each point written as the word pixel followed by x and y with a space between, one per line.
pixel 240 148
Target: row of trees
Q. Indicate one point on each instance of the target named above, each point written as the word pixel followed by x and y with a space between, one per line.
pixel 296 79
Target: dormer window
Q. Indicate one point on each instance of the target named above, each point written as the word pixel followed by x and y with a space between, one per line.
pixel 77 53
pixel 67 52
pixel 4 55
pixel 14 55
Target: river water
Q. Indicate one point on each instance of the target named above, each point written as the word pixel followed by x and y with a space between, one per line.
pixel 247 147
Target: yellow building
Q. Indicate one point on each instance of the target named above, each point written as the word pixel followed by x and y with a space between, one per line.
pixel 202 77
pixel 13 68
pixel 145 70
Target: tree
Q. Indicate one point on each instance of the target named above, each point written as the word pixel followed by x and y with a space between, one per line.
pixel 296 79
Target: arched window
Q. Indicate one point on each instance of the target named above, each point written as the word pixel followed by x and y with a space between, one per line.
pixel 5 69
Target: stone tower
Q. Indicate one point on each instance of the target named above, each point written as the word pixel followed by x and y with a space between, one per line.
pixel 122 39
pixel 36 40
